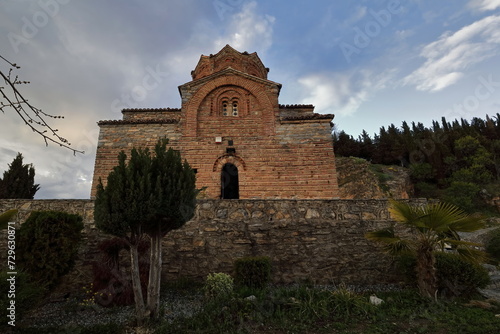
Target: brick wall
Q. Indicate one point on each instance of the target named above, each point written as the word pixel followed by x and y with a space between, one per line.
pixel 279 151
pixel 318 240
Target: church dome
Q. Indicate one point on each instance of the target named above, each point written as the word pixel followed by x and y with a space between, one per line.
pixel 245 62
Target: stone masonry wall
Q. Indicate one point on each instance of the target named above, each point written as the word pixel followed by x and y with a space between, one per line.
pixel 318 240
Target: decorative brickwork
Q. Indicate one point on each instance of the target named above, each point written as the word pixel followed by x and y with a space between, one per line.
pixel 230 115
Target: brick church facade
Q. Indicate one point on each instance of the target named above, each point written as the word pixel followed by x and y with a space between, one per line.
pixel 234 133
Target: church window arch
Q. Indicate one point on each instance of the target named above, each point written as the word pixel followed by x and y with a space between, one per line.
pixel 235 108
pixel 225 108
pixel 230 107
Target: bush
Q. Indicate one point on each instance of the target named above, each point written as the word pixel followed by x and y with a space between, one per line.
pixel 253 272
pixel 218 285
pixel 463 195
pixel 456 276
pixel 493 246
pixel 48 244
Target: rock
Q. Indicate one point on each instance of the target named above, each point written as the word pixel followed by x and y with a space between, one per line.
pixel 359 179
pixel 491 294
pixel 311 213
pixel 251 298
pixel 375 300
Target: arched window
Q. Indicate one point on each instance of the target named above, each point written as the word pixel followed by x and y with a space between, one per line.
pixel 230 108
pixel 235 108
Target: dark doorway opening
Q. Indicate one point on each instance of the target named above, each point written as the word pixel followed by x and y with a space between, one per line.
pixel 229 182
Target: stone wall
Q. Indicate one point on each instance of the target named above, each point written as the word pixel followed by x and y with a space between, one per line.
pixel 318 240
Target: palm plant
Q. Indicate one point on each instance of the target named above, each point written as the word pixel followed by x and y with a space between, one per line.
pixel 428 229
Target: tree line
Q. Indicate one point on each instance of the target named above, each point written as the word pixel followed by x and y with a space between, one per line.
pixel 456 161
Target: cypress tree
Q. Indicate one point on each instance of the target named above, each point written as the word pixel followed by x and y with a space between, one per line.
pixel 18 181
pixel 150 195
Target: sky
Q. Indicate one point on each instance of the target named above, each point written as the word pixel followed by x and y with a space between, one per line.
pixel 372 63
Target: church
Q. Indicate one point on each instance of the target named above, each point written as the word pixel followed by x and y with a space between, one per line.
pixel 232 130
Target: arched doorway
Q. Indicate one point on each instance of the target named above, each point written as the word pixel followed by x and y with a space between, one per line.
pixel 229 182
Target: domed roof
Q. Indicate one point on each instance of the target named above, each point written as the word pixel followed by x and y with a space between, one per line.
pixel 245 62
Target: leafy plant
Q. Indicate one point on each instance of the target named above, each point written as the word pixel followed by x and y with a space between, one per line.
pixel 48 243
pixel 346 303
pixel 218 285
pixel 458 277
pixel 433 226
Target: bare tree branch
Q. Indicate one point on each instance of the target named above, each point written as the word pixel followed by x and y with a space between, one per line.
pixel 34 118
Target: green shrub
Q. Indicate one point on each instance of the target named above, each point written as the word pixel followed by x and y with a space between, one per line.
pixel 218 285
pixel 462 194
pixel 253 272
pixel 48 244
pixel 493 246
pixel 456 277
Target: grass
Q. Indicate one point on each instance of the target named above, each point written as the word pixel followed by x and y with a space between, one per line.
pixel 305 309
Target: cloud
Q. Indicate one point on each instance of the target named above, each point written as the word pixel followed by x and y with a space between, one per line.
pixel 453 53
pixel 484 5
pixel 342 93
pixel 248 31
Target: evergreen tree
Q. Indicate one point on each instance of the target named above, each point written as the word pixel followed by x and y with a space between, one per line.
pixel 150 195
pixel 18 181
pixel 445 159
pixel 345 145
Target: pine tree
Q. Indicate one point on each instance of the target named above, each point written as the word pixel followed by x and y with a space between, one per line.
pixel 19 180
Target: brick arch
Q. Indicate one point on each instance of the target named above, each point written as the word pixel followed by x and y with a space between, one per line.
pixel 221 94
pixel 231 159
pixel 191 125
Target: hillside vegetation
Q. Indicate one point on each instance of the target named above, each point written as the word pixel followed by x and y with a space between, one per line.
pixel 457 162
